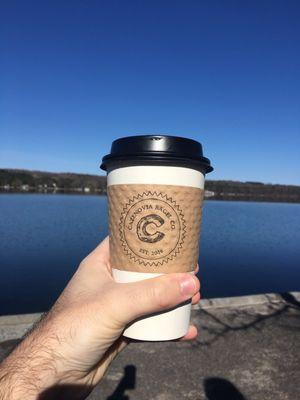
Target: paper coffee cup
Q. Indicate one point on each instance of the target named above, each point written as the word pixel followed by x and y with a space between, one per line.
pixel 155 187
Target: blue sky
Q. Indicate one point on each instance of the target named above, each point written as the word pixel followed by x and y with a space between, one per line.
pixel 74 75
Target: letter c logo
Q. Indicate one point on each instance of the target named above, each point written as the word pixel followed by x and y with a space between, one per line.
pixel 142 228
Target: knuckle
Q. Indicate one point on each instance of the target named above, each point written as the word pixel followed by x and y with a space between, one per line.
pixel 159 295
pixel 133 297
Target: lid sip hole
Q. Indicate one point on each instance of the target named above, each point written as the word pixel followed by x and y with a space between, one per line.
pixel 156 138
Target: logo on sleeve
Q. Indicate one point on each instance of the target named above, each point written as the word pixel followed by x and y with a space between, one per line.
pixel 152 228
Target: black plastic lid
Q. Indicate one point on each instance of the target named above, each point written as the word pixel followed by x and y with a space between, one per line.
pixel 156 150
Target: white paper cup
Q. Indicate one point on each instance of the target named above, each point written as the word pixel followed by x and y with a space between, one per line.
pixel 155 213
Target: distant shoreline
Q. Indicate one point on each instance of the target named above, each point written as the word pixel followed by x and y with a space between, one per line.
pixel 80 193
pixel 26 181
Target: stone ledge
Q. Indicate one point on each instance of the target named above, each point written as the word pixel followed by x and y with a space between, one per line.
pixel 243 301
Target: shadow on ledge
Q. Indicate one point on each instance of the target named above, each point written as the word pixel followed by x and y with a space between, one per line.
pixel 290 299
pixel 79 392
pixel 7 346
pixel 218 326
pixel 62 392
pixel 126 383
pixel 221 389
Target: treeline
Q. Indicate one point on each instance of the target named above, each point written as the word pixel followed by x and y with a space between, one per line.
pixel 254 191
pixel 23 180
pixel 12 180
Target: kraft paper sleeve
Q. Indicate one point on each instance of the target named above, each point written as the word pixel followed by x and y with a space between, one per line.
pixel 154 228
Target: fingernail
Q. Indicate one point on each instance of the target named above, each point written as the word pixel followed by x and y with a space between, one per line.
pixel 187 285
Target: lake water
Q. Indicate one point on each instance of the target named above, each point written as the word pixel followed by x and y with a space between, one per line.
pixel 246 248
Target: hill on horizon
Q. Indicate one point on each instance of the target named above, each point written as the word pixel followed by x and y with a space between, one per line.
pixel 17 180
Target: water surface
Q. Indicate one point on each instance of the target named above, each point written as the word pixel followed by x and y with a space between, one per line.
pixel 246 247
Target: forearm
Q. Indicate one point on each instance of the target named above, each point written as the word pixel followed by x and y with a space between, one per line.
pixel 29 369
pixel 36 369
pixel 22 378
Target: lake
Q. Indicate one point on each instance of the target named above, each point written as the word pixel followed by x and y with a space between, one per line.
pixel 246 247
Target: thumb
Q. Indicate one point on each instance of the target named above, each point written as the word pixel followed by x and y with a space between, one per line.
pixel 156 294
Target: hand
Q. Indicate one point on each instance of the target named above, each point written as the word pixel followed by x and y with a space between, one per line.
pixel 80 336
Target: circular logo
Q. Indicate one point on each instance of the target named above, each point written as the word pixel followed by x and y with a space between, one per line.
pixel 152 228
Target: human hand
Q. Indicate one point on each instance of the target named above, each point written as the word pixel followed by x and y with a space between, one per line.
pixel 77 340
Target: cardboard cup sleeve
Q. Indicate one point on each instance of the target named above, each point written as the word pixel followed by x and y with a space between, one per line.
pixel 154 228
